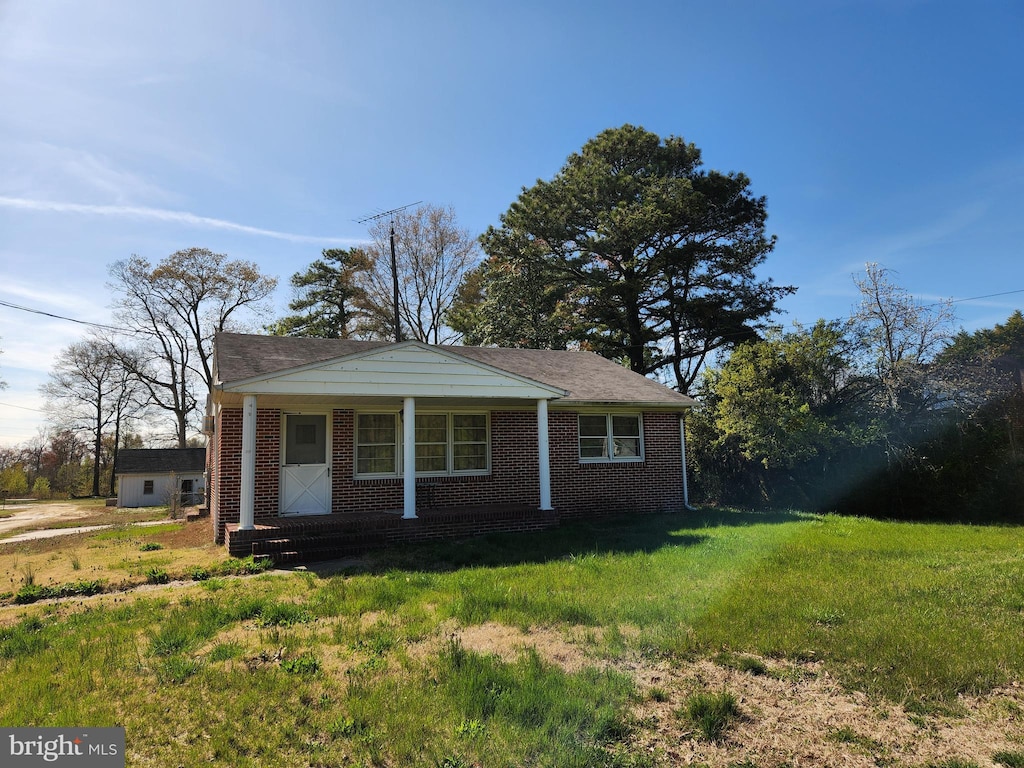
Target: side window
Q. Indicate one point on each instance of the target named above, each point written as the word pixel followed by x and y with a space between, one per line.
pixel 147 487
pixel 609 437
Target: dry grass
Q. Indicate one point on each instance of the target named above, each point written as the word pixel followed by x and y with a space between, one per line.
pixel 112 555
pixel 794 715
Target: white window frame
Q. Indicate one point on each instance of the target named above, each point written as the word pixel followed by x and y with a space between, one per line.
pixel 609 436
pixel 449 470
pixel 355 445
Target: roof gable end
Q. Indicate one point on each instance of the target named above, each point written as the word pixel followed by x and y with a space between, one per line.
pixel 406 369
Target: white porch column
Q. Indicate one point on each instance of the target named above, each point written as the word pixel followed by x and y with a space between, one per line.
pixel 409 457
pixel 543 458
pixel 247 493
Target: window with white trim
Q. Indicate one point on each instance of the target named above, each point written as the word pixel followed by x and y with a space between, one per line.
pixel 447 443
pixel 377 444
pixel 607 437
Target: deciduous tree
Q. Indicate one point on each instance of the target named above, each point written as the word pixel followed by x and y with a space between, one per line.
pixel 174 309
pixel 432 254
pixel 90 390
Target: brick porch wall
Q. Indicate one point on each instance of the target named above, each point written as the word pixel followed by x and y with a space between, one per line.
pixel 227 483
pixel 653 485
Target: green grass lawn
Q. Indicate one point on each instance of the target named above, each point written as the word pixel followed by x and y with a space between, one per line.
pixel 361 668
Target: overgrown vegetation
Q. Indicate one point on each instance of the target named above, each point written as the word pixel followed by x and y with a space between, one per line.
pixel 886 414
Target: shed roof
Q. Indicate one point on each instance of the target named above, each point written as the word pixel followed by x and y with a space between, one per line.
pixel 160 460
pixel 585 376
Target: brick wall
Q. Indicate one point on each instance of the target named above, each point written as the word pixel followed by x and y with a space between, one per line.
pixel 227 481
pixel 653 485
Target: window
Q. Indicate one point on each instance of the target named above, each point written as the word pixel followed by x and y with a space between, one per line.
pixel 376 444
pixel 147 487
pixel 469 442
pixel 305 440
pixel 446 444
pixel 431 442
pixel 610 437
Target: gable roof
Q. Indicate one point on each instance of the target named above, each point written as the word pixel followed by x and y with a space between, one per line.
pixel 160 460
pixel 582 377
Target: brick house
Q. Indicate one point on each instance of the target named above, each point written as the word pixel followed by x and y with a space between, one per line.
pixel 338 438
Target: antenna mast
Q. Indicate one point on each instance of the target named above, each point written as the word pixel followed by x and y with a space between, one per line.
pixel 394 261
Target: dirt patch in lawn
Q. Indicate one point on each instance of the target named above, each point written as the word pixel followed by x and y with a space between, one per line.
pixel 791 714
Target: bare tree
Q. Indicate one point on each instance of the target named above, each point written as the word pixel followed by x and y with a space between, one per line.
pixel 175 308
pixel 902 337
pixel 90 390
pixel 432 254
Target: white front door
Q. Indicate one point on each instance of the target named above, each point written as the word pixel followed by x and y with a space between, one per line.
pixel 305 472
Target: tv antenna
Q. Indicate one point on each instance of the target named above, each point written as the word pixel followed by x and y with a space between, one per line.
pixel 394 261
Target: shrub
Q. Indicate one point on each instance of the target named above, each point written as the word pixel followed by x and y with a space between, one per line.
pixel 150 546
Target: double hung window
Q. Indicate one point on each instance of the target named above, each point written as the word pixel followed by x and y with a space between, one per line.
pixel 446 444
pixel 607 437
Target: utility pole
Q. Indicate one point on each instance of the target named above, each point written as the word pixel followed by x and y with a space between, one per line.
pixel 394 260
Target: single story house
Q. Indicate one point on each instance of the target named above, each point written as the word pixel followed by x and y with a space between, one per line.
pixel 149 477
pixel 302 431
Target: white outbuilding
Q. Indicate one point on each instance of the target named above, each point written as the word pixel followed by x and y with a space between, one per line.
pixel 154 477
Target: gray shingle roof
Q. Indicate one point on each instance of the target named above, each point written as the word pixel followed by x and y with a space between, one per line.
pixel 586 376
pixel 160 460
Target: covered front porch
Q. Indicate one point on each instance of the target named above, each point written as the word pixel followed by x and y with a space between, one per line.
pixel 323 537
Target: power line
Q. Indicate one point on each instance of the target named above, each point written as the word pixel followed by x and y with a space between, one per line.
pixel 988 296
pixel 62 317
pixel 24 408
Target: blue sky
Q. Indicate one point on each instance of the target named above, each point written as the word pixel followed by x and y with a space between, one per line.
pixel 888 131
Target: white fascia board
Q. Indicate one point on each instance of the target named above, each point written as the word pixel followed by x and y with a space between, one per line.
pixel 264 384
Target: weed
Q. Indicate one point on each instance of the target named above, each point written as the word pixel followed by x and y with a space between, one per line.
pixel 347 727
pixel 711 713
pixel 225 651
pixel 36 592
pixel 76 562
pixel 150 546
pixel 953 762
pixel 25 638
pixel 305 665
pixel 470 729
pixel 658 694
pixel 742 663
pixel 847 735
pixel 1009 759
pixel 155 575
pixel 28 575
pixel 282 615
pixel 177 669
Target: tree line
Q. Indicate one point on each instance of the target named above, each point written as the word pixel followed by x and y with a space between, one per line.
pixel 633 250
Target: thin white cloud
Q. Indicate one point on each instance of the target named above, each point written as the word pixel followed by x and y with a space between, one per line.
pixel 172 217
